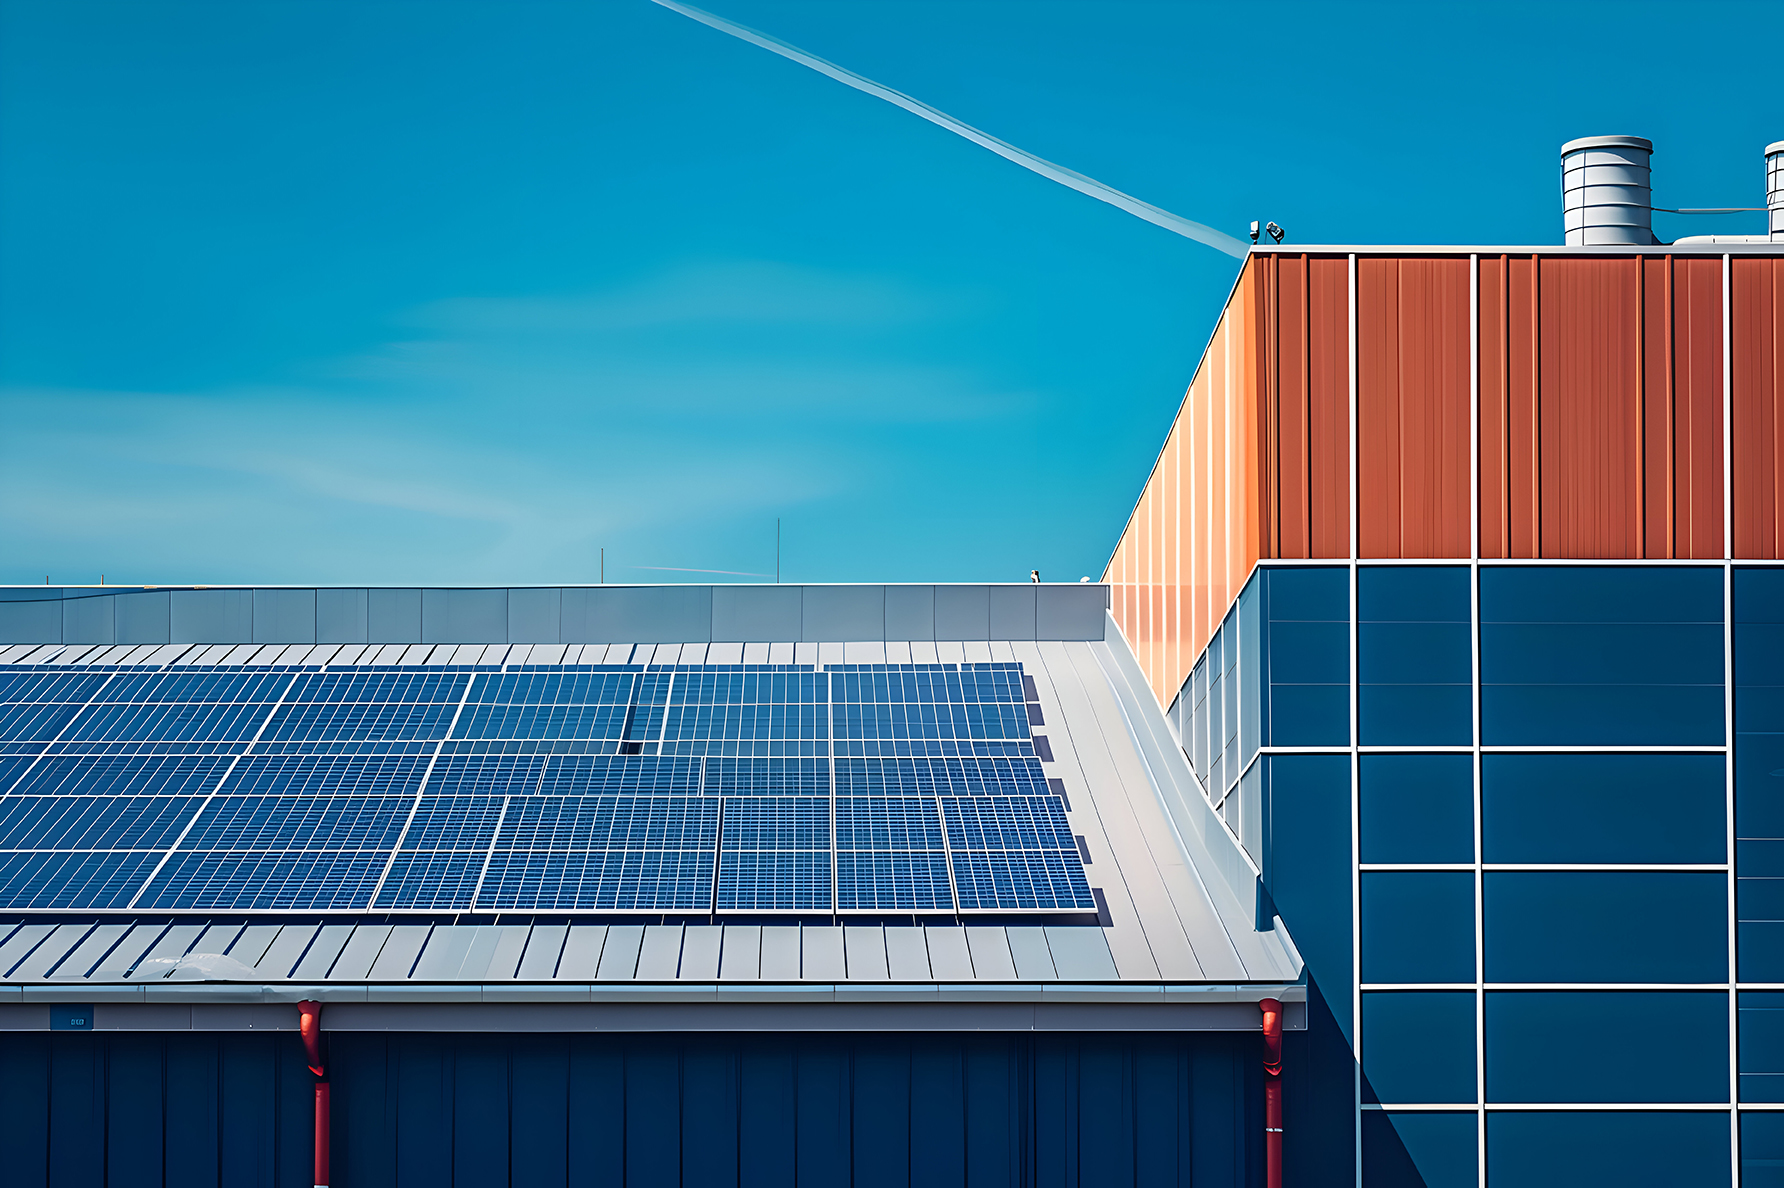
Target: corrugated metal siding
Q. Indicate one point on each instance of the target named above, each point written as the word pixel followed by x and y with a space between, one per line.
pixel 1589 408
pixel 1600 424
pixel 538 1110
pixel 1757 295
pixel 1412 407
pixel 1198 526
pixel 1697 407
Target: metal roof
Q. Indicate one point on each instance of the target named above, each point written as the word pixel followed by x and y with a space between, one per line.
pixel 1177 929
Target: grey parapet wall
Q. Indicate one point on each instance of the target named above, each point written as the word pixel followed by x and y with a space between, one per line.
pixel 549 614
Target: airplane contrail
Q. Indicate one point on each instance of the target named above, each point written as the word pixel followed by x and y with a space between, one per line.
pixel 1047 169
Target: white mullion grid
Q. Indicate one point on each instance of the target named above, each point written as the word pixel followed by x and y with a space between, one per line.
pixel 1580 1107
pixel 1734 1001
pixel 1356 878
pixel 1534 562
pixel 1594 987
pixel 172 849
pixel 1582 867
pixel 421 789
pixel 1507 749
pixel 1480 889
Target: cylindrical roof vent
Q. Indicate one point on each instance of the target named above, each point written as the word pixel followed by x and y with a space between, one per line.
pixel 1774 190
pixel 1604 190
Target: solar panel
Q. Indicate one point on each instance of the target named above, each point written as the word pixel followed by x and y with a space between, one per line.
pixel 332 823
pixel 453 823
pixel 609 823
pixel 603 880
pixel 35 721
pixel 890 855
pixel 72 880
pixel 686 788
pixel 893 881
pixel 120 775
pixel 327 775
pixel 586 774
pixel 1014 853
pixel 914 776
pixel 179 721
pixel 496 775
pixel 432 880
pixel 774 881
pixel 94 822
pixel 767 777
pixel 223 880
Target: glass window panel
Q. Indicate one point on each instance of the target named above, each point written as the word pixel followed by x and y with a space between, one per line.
pixel 1762 1149
pixel 1634 1149
pixel 1601 594
pixel 1309 653
pixel 1758 707
pixel 1571 653
pixel 1412 594
pixel 1759 950
pixel 1759 595
pixel 1308 592
pixel 1250 670
pixel 1623 926
pixel 1759 785
pixel 1420 1150
pixel 1604 808
pixel 1761 1038
pixel 1562 715
pixel 1759 899
pixel 1417 926
pixel 1601 655
pixel 1307 865
pixel 1761 857
pixel 1417 808
pixel 1418 1047
pixel 1415 715
pixel 1414 653
pixel 1682 1055
pixel 1310 715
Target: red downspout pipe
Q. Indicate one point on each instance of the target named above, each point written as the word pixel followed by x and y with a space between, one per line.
pixel 309 1025
pixel 1272 1092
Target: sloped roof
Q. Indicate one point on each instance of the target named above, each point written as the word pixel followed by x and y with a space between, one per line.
pixel 1174 930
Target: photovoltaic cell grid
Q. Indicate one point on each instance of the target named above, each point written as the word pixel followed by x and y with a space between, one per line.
pixel 905 788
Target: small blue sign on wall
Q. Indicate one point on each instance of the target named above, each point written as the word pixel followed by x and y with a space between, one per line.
pixel 71 1018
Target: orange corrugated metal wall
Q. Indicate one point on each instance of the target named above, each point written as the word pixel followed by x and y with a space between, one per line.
pixel 1601 407
pixel 1412 408
pixel 1600 425
pixel 1757 329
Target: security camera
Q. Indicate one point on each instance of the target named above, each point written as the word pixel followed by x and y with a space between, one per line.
pixel 1254 230
pixel 1274 232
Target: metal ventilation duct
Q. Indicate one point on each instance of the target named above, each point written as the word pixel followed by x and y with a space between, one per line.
pixel 1605 195
pixel 1774 190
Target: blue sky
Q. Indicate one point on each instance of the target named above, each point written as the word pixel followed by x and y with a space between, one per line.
pixel 443 292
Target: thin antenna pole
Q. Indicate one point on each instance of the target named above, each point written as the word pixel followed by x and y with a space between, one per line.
pixel 777 550
pixel 603 565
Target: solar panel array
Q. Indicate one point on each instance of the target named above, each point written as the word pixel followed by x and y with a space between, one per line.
pixel 735 789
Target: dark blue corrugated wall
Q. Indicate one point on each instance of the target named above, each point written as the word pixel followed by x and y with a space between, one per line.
pixel 476 1111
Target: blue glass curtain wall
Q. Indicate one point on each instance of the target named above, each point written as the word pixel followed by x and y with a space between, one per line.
pixel 1530 832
